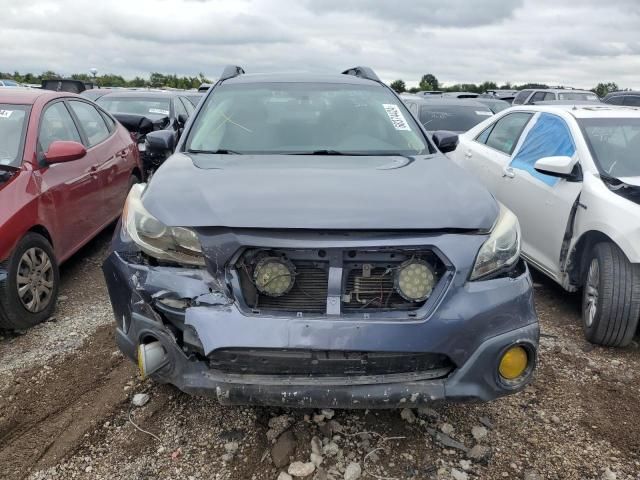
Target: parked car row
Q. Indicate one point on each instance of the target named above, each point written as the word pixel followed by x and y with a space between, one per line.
pixel 308 243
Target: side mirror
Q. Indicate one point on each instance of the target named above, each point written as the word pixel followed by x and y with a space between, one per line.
pixel 64 151
pixel 182 119
pixel 160 142
pixel 561 167
pixel 445 141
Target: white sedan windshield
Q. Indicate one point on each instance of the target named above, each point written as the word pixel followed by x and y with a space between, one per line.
pixel 614 144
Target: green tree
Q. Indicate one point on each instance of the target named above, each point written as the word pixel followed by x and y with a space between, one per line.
pixel 428 82
pixel 603 88
pixel 399 86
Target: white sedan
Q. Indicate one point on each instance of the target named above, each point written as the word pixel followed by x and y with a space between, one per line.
pixel 572 176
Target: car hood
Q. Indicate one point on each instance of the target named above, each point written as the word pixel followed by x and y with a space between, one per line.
pixel 318 192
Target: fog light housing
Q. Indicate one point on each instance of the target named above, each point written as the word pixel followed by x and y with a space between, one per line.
pixel 514 363
pixel 274 276
pixel 415 280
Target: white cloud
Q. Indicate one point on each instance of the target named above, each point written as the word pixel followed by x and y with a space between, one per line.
pixel 573 42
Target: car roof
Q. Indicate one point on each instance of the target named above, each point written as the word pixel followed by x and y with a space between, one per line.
pixel 583 111
pixel 449 101
pixel 622 92
pixel 28 96
pixel 299 78
pixel 142 93
pixel 562 90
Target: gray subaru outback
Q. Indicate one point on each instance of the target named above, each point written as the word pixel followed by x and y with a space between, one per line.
pixel 307 244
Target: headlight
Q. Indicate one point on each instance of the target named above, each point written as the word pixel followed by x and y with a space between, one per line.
pixel 414 280
pixel 274 276
pixel 176 244
pixel 502 249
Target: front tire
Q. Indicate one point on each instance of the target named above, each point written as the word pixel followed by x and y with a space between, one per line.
pixel 611 297
pixel 29 294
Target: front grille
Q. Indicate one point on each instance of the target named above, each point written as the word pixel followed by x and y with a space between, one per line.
pixel 310 363
pixel 374 292
pixel 365 283
pixel 308 294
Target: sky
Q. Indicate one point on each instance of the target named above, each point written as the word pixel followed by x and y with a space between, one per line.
pixel 558 42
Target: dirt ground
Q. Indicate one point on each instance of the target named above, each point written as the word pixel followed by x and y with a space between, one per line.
pixel 66 412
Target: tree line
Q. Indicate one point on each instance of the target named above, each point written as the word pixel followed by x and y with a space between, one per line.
pixel 430 82
pixel 155 79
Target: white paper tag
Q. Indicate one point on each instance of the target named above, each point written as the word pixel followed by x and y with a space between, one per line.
pixel 159 111
pixel 483 112
pixel 5 113
pixel 396 117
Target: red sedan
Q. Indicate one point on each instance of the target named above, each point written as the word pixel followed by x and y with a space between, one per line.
pixel 65 169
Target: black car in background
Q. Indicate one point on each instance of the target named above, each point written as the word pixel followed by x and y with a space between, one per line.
pixel 451 114
pixel 494 104
pixel 194 97
pixel 95 93
pixel 167 111
pixel 629 98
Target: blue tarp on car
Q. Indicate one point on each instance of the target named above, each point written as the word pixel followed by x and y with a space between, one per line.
pixel 549 137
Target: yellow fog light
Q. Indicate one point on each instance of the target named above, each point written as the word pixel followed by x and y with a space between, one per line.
pixel 514 363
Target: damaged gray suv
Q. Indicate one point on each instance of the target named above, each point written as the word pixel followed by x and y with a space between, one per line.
pixel 308 245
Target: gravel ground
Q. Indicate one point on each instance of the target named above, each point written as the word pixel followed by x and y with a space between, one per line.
pixel 66 411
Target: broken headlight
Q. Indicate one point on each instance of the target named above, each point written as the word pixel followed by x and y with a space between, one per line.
pixel 502 249
pixel 175 244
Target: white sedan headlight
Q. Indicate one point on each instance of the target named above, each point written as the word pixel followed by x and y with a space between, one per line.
pixel 502 248
pixel 176 244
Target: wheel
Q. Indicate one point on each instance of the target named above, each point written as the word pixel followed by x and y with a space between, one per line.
pixel 29 295
pixel 610 297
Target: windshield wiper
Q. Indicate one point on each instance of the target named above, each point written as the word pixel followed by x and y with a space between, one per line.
pixel 220 151
pixel 353 154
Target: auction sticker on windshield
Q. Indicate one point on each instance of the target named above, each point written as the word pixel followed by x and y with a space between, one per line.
pixel 484 112
pixel 396 117
pixel 5 113
pixel 159 111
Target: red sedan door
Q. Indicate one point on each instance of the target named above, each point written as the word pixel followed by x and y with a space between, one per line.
pixel 110 154
pixel 71 191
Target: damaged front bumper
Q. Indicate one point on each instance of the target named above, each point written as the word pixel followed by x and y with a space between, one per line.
pixel 472 327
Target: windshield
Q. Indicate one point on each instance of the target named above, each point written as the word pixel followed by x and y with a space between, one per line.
pixel 270 118
pixel 153 108
pixel 455 118
pixel 577 96
pixel 13 123
pixel 614 144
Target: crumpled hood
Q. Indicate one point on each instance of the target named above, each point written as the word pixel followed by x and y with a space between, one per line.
pixel 318 192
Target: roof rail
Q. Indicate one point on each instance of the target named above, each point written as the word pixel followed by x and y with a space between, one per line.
pixel 362 72
pixel 230 71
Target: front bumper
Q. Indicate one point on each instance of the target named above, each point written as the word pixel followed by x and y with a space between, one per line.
pixel 472 325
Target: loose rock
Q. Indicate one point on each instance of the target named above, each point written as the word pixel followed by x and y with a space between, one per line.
pixel 407 415
pixel 608 474
pixel 277 425
pixel 331 449
pixel 479 453
pixel 447 428
pixel 140 399
pixel 300 469
pixel 328 413
pixel 316 446
pixel 353 471
pixel 529 475
pixel 284 448
pixel 458 475
pixel 479 433
pixel 284 476
pixel 316 459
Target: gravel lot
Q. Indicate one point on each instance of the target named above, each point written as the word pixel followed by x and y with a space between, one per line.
pixel 66 412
